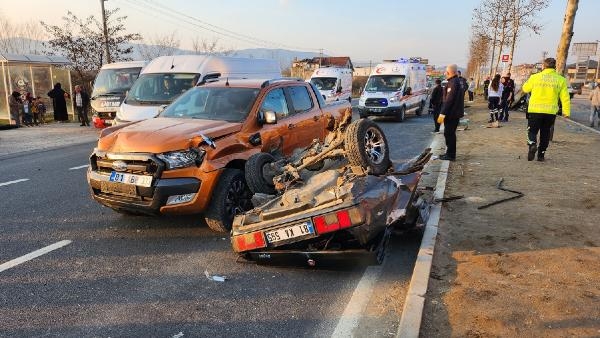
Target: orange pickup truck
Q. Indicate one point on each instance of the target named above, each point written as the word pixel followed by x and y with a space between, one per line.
pixel 194 157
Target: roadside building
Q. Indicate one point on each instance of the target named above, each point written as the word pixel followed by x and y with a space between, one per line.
pixel 35 74
pixel 304 68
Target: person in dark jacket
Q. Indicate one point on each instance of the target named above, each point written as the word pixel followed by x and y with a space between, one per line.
pixel 59 103
pixel 435 103
pixel 14 103
pixel 453 108
pixel 486 84
pixel 508 97
pixel 82 100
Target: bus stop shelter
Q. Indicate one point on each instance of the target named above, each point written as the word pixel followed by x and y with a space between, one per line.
pixel 35 74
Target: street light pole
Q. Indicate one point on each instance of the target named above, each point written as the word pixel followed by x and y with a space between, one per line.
pixel 106 50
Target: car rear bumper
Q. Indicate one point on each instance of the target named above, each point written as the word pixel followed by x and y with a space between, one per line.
pixel 314 258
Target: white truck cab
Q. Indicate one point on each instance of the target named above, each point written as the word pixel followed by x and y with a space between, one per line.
pixel 167 77
pixel 335 84
pixel 394 88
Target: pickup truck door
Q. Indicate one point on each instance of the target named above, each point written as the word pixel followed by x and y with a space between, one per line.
pixel 299 120
pixel 305 122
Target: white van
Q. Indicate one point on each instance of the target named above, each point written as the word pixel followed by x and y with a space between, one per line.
pixel 110 86
pixel 334 83
pixel 166 77
pixel 394 88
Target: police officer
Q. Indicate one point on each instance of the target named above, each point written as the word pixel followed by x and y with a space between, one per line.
pixel 546 88
pixel 453 108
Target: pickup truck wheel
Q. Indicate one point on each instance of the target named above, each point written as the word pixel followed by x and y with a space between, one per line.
pixel 400 114
pixel 256 179
pixel 230 197
pixel 419 111
pixel 366 146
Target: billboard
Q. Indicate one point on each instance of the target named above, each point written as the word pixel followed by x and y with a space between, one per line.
pixel 585 49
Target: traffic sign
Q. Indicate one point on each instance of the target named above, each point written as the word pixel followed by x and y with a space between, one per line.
pixel 505 57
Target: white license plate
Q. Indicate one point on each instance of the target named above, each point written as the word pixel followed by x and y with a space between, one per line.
pixel 296 230
pixel 142 181
pixel 376 110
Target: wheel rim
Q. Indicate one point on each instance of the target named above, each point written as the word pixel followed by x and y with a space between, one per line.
pixel 238 199
pixel 374 145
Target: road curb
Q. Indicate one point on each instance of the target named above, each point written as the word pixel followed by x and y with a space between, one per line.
pixel 412 313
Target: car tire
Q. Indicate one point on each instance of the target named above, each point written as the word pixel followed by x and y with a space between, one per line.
pixel 401 114
pixel 254 172
pixel 366 146
pixel 419 111
pixel 230 197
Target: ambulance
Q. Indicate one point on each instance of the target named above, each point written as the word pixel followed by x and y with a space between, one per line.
pixel 395 88
pixel 335 84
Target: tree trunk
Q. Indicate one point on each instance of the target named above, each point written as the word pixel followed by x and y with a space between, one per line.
pixel 515 33
pixel 565 39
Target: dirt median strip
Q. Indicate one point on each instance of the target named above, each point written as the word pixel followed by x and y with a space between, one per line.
pixel 529 266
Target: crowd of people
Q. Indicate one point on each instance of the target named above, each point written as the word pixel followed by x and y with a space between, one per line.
pixel 26 110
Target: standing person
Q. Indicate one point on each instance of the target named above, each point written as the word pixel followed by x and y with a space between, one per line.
pixel 41 110
pixel 82 100
pixel 508 96
pixel 595 98
pixel 494 94
pixel 453 108
pixel 471 89
pixel 547 88
pixel 59 103
pixel 486 84
pixel 14 103
pixel 27 115
pixel 463 82
pixel 435 103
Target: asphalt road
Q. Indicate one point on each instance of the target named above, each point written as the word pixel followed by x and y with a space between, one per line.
pixel 144 276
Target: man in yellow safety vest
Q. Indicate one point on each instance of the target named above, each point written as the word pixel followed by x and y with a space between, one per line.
pixel 546 88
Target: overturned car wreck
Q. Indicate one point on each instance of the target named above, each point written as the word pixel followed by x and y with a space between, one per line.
pixel 340 214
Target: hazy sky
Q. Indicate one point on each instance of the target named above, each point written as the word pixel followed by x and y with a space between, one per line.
pixel 364 30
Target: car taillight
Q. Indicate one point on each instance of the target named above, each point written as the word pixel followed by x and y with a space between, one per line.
pixel 249 241
pixel 337 220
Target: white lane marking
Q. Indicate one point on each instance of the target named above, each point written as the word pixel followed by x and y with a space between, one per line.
pixel 34 254
pixel 357 304
pixel 15 181
pixel 79 167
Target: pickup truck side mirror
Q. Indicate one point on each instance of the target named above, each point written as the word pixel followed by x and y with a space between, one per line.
pixel 339 89
pixel 407 91
pixel 267 117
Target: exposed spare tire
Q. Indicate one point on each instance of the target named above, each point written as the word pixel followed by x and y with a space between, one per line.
pixel 257 174
pixel 366 146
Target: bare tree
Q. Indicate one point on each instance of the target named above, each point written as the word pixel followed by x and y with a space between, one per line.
pixel 21 38
pixel 81 41
pixel 485 23
pixel 203 46
pixel 523 19
pixel 565 39
pixel 159 46
pixel 479 53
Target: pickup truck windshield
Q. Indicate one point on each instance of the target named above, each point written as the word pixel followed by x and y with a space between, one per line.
pixel 324 83
pixel 115 81
pixel 210 103
pixel 160 88
pixel 384 83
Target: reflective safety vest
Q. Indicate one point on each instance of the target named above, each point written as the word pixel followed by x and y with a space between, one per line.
pixel 546 88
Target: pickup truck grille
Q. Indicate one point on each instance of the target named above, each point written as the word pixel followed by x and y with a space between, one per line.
pixel 376 102
pixel 138 164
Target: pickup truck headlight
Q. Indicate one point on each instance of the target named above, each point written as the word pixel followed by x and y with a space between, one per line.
pixel 393 99
pixel 182 158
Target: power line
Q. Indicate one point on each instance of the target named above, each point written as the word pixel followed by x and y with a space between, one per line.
pixel 192 21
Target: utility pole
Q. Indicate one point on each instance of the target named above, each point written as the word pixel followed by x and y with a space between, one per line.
pixel 106 49
pixel 320 56
pixel 565 39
